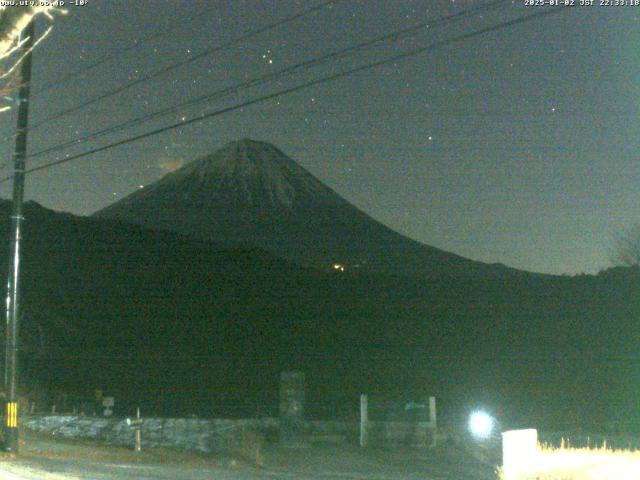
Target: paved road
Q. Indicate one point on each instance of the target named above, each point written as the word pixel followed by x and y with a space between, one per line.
pixel 50 459
pixel 72 470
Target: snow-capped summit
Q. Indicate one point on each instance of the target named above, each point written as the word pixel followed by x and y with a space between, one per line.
pixel 247 172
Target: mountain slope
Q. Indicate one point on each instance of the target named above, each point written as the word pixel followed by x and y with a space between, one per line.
pixel 250 193
pixel 148 314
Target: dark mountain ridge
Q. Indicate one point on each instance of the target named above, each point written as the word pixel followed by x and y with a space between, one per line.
pixel 149 314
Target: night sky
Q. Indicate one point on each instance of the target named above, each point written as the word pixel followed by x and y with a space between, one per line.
pixel 519 146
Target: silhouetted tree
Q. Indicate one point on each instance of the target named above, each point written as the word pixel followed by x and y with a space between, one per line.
pixel 626 248
pixel 13 21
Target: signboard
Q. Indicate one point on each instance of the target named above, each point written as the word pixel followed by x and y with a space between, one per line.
pixel 107 403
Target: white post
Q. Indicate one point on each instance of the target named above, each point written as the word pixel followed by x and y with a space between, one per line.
pixel 433 420
pixel 364 420
pixel 138 431
pixel 519 452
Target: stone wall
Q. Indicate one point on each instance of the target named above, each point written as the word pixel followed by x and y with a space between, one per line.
pixel 221 435
pixel 210 435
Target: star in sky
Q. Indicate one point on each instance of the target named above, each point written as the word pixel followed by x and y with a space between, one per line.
pixel 486 102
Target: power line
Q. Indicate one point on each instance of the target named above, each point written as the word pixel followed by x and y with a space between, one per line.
pixel 81 73
pixel 181 63
pixel 297 88
pixel 395 35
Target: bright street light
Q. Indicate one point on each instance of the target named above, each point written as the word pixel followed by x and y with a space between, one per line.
pixel 481 424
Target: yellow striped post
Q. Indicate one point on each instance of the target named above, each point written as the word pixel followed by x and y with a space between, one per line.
pixel 12 415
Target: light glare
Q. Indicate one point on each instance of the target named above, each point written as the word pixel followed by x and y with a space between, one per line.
pixel 481 424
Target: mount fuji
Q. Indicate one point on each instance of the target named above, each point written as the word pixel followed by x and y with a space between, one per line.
pixel 250 193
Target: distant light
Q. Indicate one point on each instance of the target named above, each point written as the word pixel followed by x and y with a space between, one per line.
pixel 481 424
pixel 339 267
pixel 141 186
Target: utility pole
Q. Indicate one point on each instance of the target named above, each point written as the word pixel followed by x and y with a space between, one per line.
pixel 13 283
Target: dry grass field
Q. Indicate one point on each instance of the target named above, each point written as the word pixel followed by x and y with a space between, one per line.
pixel 566 463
